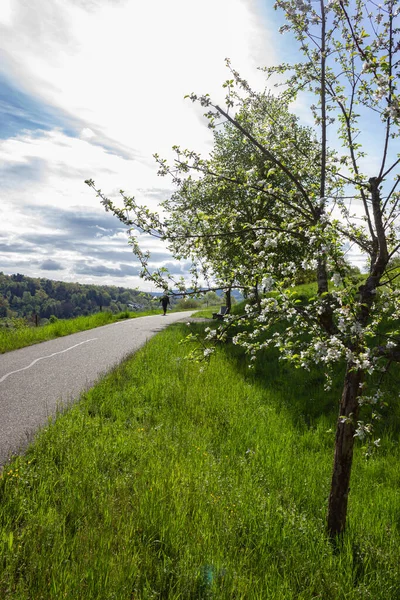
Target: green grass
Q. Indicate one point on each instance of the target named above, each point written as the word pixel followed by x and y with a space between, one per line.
pixel 207 312
pixel 20 337
pixel 14 338
pixel 169 481
pixel 306 290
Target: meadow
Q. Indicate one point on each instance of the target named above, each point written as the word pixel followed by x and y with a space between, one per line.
pixel 177 480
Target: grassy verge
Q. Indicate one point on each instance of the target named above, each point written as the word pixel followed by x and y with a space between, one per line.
pixel 20 337
pixel 169 481
pixel 12 339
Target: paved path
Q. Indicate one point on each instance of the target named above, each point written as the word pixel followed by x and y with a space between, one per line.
pixel 37 380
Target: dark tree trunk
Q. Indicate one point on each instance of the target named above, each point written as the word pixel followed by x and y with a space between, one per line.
pixel 228 300
pixel 257 299
pixel 349 407
pixel 344 445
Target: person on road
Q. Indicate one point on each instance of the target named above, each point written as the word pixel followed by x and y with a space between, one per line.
pixel 165 301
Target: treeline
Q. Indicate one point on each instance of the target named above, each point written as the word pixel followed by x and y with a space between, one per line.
pixel 36 298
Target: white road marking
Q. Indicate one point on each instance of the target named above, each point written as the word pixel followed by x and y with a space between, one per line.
pixel 43 357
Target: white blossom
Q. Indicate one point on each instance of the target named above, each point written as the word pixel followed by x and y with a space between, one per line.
pixel 267 283
pixel 337 280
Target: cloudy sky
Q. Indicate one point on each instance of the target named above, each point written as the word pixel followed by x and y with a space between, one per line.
pixel 91 89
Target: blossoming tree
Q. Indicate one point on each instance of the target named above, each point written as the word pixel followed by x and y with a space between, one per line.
pixel 224 203
pixel 320 197
pixel 351 66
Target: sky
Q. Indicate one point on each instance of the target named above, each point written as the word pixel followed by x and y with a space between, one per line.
pixel 92 89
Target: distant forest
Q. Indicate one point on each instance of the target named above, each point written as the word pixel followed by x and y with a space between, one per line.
pixel 26 297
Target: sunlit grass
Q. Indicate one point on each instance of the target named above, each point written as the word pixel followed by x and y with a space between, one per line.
pixel 12 339
pixel 172 481
pixel 207 312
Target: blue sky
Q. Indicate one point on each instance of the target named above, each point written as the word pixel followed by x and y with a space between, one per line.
pixel 19 111
pixel 91 89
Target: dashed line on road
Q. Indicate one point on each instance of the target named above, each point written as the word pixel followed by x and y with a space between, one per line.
pixel 44 357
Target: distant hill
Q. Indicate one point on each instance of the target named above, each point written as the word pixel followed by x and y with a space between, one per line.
pixel 22 296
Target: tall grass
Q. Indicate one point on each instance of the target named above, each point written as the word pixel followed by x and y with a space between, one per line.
pixel 14 338
pixel 176 482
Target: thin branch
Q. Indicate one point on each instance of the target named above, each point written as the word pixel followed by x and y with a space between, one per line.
pixel 388 120
pixel 270 157
pixel 389 280
pixel 389 196
pixel 257 188
pixel 391 169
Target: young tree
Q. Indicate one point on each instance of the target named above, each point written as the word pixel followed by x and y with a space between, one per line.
pixel 351 81
pixel 351 67
pixel 225 202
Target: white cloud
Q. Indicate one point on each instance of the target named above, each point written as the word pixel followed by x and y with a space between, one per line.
pixel 125 67
pixel 53 168
pixel 6 13
pixel 87 134
pixel 118 71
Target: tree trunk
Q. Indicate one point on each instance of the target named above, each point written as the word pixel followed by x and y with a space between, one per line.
pixel 228 300
pixel 257 299
pixel 344 445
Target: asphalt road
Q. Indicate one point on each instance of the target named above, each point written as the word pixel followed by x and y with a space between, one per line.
pixel 38 380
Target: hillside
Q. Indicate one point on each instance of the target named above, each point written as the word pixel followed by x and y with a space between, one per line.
pixel 22 296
